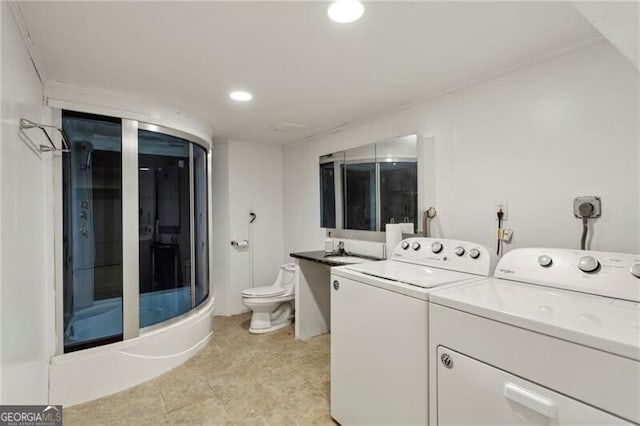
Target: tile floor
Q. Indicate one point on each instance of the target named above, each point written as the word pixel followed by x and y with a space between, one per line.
pixel 237 379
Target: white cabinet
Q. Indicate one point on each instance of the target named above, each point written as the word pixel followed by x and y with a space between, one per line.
pixel 472 392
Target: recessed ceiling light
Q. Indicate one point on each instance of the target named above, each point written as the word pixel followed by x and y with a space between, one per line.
pixel 345 11
pixel 240 95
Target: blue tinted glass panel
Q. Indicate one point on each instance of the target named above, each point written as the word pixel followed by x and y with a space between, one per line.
pixel 201 223
pixel 92 231
pixel 165 227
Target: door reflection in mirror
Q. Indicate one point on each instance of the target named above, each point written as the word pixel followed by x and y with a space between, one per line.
pixel 366 187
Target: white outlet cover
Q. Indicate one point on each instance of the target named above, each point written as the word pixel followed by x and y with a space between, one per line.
pixel 597 205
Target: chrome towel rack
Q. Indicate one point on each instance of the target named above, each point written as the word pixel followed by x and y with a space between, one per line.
pixel 28 124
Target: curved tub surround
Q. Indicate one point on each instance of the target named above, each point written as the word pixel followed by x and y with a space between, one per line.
pixel 85 375
pixel 162 321
pixel 107 314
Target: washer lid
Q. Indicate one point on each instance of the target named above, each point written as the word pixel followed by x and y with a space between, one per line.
pixel 265 291
pixel 611 325
pixel 408 273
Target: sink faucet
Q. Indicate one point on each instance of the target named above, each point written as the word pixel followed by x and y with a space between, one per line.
pixel 341 247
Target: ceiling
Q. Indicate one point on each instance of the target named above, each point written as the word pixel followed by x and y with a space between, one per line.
pixel 300 66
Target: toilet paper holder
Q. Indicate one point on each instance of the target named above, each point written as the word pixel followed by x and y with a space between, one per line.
pixel 239 244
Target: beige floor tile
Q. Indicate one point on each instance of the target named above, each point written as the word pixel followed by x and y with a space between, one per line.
pixel 138 405
pixel 235 385
pixel 237 379
pixel 143 421
pixel 282 381
pixel 279 418
pixel 317 421
pixel 255 404
pixel 307 403
pixel 325 387
pixel 315 372
pixel 180 390
pixel 207 412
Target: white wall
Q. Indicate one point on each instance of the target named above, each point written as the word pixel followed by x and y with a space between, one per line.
pixel 618 21
pixel 96 100
pixel 251 180
pixel 26 244
pixel 535 138
pixel 220 275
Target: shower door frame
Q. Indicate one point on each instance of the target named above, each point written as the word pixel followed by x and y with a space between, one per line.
pixel 130 230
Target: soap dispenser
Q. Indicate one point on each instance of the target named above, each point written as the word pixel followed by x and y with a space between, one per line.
pixel 328 244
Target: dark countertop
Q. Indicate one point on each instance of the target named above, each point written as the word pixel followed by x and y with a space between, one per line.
pixel 320 257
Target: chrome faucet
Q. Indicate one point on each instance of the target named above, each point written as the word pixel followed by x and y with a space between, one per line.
pixel 341 247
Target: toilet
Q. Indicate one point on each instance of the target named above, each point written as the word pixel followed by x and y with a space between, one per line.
pixel 272 305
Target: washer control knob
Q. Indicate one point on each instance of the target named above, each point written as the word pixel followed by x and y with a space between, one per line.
pixel 415 246
pixel 404 245
pixel 436 247
pixel 474 253
pixel 635 270
pixel 545 261
pixel 588 264
pixel 459 251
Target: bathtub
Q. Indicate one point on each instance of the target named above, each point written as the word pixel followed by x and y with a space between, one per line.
pixel 88 374
pixel 104 317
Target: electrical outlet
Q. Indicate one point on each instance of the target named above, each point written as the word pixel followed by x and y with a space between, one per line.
pixel 502 205
pixel 595 202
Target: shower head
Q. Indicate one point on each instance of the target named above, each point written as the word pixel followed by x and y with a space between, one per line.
pixel 87 163
pixel 86 148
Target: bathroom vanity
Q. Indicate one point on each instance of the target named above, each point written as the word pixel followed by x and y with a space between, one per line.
pixel 312 303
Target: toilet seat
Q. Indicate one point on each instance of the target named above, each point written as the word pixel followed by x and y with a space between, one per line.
pixel 264 291
pixel 253 301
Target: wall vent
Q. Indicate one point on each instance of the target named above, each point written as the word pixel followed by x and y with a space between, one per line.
pixel 288 127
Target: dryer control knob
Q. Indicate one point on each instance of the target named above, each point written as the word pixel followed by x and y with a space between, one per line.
pixel 415 246
pixel 404 245
pixel 588 264
pixel 545 261
pixel 459 251
pixel 436 247
pixel 635 270
pixel 474 253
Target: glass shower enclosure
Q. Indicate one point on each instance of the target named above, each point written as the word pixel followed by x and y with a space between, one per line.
pixel 171 213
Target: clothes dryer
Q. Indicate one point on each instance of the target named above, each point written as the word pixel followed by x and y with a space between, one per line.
pixel 553 338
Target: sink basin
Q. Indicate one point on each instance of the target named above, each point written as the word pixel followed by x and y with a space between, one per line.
pixel 347 259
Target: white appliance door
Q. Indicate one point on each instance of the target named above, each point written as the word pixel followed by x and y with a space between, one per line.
pixel 378 355
pixel 418 275
pixel 599 322
pixel 471 392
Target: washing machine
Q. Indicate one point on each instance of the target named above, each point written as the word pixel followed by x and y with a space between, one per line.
pixel 552 339
pixel 379 328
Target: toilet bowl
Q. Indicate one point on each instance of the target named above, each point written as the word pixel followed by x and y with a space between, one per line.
pixel 272 306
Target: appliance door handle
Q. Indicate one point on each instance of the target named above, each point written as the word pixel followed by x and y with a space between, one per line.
pixel 532 400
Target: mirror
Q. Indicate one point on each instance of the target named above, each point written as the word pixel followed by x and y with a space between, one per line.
pixel 331 166
pixel 366 187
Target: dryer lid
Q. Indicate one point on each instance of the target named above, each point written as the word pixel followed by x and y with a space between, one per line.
pixel 265 291
pixel 604 323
